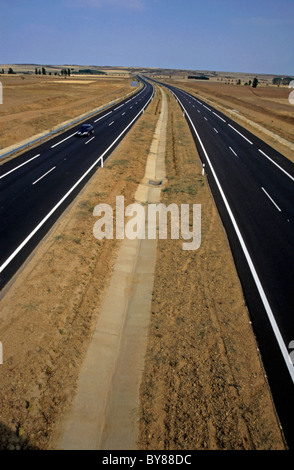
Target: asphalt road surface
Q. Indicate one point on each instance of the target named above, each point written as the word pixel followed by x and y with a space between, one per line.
pixel 36 187
pixel 253 186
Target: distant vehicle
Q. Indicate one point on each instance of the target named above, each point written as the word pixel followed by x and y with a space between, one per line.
pixel 85 130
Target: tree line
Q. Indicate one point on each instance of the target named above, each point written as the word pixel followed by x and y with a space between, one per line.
pixel 42 71
pixel 282 80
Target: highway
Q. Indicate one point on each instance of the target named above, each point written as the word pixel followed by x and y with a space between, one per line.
pixel 37 186
pixel 253 186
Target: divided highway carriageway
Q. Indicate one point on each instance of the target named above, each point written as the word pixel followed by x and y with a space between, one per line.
pixel 253 186
pixel 37 186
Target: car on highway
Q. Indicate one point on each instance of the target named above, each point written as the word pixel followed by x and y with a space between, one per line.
pixel 85 130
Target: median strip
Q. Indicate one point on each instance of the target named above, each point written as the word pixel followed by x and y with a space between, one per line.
pixel 107 400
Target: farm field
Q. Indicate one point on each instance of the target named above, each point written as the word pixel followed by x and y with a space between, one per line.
pixel 35 104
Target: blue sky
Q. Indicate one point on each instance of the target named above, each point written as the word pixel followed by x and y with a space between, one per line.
pixel 224 35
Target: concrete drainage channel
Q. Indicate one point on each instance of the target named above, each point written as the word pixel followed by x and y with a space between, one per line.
pixel 105 414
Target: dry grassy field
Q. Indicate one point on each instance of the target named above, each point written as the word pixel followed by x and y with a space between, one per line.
pixel 36 103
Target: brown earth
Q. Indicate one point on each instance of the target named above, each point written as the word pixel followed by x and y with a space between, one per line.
pixel 203 385
pixel 268 106
pixel 34 104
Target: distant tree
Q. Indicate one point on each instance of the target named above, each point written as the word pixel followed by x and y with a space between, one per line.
pixel 282 81
pixel 43 71
pixel 3 71
pixel 239 82
pixel 277 81
pixel 255 83
pixel 198 77
pixel 36 71
pixel 10 70
pixel 68 72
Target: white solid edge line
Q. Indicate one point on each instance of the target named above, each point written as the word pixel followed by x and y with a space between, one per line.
pixel 240 134
pixel 271 199
pixel 282 169
pixel 26 240
pixel 41 177
pixel 55 145
pixel 111 123
pixel 13 169
pixel 251 266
